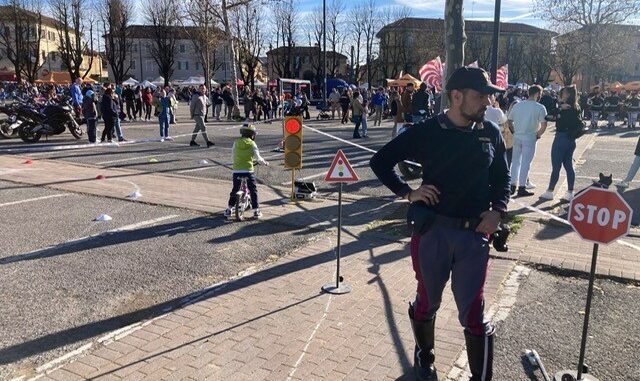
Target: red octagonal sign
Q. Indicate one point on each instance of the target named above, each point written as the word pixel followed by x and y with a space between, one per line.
pixel 600 215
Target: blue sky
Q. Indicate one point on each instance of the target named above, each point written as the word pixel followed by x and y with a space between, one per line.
pixel 512 10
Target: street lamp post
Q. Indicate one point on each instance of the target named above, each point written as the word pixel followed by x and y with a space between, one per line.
pixel 324 53
pixel 496 38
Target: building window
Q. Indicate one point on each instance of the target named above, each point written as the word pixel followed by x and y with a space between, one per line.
pixel 44 55
pixel 198 66
pixel 135 48
pixel 186 65
pixel 183 48
pixel 179 65
pixel 132 63
pixel 638 66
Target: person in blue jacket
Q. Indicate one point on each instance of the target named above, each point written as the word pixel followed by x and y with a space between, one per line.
pixel 464 194
pixel 76 96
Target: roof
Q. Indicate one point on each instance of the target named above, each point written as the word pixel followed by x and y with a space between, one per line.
pixel 7 10
pixel 470 26
pixel 302 50
pixel 149 31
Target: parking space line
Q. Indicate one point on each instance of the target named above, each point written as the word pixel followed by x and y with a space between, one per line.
pixel 35 199
pixel 43 252
pixel 134 158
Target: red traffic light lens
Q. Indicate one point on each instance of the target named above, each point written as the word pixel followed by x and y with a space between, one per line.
pixel 293 126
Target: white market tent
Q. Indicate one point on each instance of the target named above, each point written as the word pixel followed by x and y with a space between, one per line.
pixel 194 81
pixel 158 81
pixel 148 84
pixel 130 82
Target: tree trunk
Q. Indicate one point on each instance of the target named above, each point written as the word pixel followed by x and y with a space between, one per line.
pixel 454 40
pixel 234 87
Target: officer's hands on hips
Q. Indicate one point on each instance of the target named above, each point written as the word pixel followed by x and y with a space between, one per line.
pixel 490 221
pixel 427 193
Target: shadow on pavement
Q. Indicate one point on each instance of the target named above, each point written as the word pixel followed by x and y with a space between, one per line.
pixel 69 336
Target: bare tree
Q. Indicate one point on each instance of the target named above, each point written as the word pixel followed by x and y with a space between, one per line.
pixel 71 23
pixel 285 14
pixel 594 19
pixel 336 36
pixel 395 45
pixel 567 60
pixel 248 30
pixel 116 24
pixel 163 15
pixel 455 39
pixel 371 23
pixel 356 16
pixel 315 30
pixel 20 35
pixel 205 34
pixel 539 65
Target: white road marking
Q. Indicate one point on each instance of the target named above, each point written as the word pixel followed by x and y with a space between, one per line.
pixel 196 169
pixel 35 199
pixel 134 158
pixel 76 241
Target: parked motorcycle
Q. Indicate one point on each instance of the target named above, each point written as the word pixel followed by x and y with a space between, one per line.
pixel 53 119
pixel 8 126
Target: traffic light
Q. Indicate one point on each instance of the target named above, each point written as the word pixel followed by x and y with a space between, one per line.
pixel 293 142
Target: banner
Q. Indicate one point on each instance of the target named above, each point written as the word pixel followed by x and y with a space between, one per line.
pixel 502 77
pixel 432 73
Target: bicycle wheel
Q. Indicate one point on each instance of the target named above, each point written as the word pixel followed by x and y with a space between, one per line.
pixel 240 206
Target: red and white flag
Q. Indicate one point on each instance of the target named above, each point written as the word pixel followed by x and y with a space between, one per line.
pixel 432 73
pixel 502 77
pixel 473 64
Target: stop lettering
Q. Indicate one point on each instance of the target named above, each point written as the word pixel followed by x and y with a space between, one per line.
pixel 600 215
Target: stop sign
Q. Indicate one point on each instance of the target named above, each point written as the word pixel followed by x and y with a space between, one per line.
pixel 600 215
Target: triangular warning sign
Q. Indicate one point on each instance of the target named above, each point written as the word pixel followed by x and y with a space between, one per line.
pixel 340 170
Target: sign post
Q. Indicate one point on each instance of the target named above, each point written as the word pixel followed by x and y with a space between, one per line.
pixel 599 216
pixel 339 172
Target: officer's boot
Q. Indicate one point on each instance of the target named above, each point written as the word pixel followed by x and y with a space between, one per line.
pixel 424 353
pixel 480 355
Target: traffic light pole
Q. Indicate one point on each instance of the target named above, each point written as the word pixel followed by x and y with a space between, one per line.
pixel 338 287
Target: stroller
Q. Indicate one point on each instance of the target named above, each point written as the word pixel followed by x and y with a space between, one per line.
pixel 324 111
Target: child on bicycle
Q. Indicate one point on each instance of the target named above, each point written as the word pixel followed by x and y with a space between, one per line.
pixel 245 152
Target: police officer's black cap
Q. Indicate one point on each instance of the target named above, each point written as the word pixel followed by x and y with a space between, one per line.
pixel 472 78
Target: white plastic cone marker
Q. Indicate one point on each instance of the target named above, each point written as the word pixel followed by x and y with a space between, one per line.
pixel 203 162
pixel 135 195
pixel 103 217
pixel 153 160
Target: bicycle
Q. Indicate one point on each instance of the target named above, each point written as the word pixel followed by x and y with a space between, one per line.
pixel 243 199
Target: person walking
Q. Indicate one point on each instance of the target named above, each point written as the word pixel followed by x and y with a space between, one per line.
pixel 357 111
pixel 147 100
pixel 405 99
pixel 117 126
pixel 378 101
pixel 345 102
pixel 216 99
pixel 76 96
pixel 420 104
pixel 461 202
pixel 138 103
pixel 633 169
pixel 198 108
pixel 396 112
pixel 334 101
pixel 163 105
pixel 109 114
pixel 129 100
pixel 564 145
pixel 90 113
pixel 527 122
pixel 496 115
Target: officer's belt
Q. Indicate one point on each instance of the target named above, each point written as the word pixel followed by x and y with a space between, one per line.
pixel 456 223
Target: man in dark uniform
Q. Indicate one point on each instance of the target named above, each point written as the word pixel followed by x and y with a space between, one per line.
pixel 612 107
pixel 465 191
pixel 596 103
pixel 633 108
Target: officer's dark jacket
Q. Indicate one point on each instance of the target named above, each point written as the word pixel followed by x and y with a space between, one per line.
pixel 467 165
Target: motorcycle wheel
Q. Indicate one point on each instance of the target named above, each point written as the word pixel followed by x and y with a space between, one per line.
pixel 76 131
pixel 28 136
pixel 410 172
pixel 4 130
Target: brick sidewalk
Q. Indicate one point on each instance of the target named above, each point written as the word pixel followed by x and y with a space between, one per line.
pixel 274 324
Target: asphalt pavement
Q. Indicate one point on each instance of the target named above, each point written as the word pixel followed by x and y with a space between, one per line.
pixel 67 279
pixel 548 317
